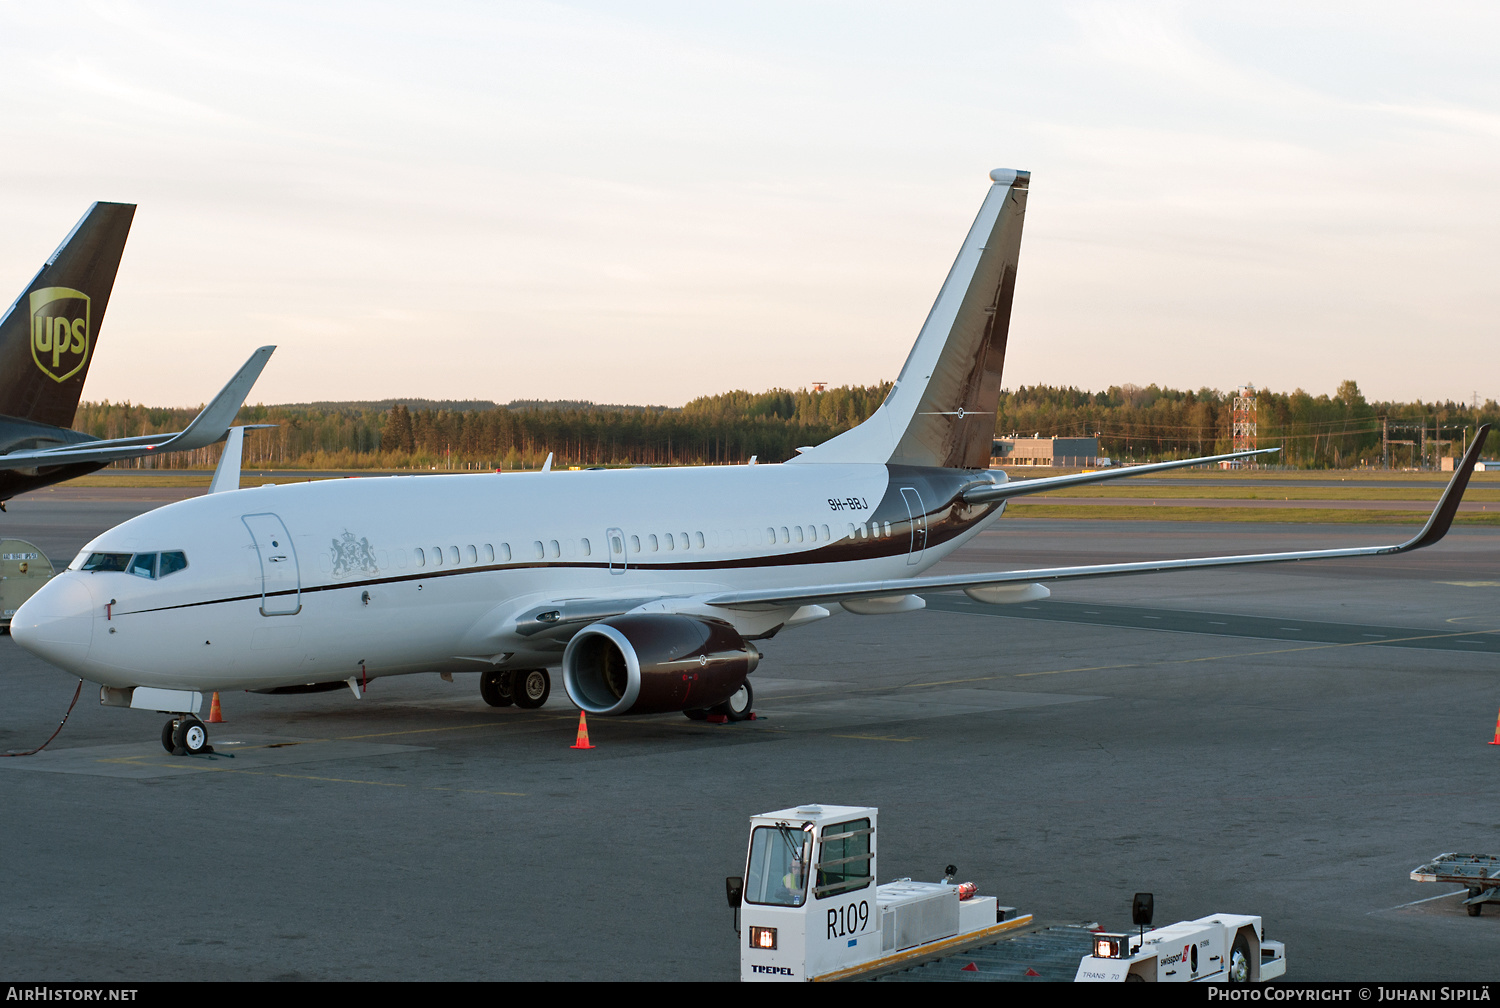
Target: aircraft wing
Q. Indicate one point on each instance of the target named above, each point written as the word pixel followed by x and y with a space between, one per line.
pixel 208 427
pixel 1436 527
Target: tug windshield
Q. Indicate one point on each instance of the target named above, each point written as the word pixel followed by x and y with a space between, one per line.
pixel 777 872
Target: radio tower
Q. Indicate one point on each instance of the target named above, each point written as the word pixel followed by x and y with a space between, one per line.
pixel 1244 420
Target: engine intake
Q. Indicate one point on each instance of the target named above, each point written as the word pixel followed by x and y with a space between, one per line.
pixel 653 663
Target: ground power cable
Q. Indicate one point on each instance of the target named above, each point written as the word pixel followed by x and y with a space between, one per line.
pixel 76 694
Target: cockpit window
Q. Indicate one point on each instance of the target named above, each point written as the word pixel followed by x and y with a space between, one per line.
pixel 146 565
pixel 106 562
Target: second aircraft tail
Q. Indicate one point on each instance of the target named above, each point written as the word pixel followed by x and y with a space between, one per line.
pixel 48 335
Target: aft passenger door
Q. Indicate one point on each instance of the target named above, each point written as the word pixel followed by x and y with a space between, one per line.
pixel 280 579
pixel 917 519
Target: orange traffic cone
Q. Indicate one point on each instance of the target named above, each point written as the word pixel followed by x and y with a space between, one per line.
pixel 583 734
pixel 1497 731
pixel 215 716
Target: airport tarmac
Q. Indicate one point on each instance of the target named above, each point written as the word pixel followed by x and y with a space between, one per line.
pixel 1287 741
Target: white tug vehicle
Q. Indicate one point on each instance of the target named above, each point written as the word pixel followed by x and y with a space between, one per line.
pixel 1221 948
pixel 809 907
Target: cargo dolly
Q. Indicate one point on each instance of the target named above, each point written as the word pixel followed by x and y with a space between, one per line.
pixel 1479 873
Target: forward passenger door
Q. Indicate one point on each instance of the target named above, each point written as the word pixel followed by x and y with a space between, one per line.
pixel 280 578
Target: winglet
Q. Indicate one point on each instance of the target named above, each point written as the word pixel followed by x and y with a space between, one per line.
pixel 1447 507
pixel 213 423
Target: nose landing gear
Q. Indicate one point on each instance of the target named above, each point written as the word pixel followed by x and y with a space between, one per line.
pixel 185 736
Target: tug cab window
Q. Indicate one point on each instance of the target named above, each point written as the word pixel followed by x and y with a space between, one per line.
pixel 843 858
pixel 777 872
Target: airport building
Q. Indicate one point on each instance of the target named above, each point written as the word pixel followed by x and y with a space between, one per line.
pixel 1040 451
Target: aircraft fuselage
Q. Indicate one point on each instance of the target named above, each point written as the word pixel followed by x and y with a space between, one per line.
pixel 316 582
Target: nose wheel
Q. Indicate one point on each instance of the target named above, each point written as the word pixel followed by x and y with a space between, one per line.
pixel 185 736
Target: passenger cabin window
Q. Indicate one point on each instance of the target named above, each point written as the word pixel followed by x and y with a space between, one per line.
pixel 489 553
pixel 536 548
pixel 584 545
pixel 418 557
pixel 472 554
pixel 505 552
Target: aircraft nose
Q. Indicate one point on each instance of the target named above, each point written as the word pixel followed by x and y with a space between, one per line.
pixel 57 623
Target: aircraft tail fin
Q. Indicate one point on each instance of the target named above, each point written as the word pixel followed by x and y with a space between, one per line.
pixel 48 335
pixel 941 411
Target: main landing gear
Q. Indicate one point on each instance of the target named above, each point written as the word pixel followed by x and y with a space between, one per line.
pixel 526 688
pixel 736 708
pixel 185 736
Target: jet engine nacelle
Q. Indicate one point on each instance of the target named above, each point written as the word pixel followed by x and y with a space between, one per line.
pixel 652 663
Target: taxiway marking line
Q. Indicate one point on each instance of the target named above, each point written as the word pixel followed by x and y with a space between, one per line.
pixel 1429 899
pixel 1257 654
pixel 353 780
pixel 880 738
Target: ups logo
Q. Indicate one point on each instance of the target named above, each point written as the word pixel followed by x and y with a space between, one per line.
pixel 59 331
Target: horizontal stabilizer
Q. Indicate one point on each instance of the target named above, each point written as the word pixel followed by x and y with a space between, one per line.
pixel 985 494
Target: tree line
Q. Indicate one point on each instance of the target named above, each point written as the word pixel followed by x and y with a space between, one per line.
pixel 1132 423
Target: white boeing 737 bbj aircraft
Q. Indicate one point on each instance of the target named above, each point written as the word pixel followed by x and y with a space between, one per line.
pixel 646 586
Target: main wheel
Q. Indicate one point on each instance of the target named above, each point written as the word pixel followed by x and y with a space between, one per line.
pixel 531 688
pixel 190 736
pixel 496 689
pixel 166 735
pixel 739 706
pixel 1474 908
pixel 1239 961
pixel 697 714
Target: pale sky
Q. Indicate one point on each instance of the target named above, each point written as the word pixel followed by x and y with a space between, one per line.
pixel 647 202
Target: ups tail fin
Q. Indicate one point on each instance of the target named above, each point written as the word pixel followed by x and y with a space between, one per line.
pixel 941 411
pixel 48 335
